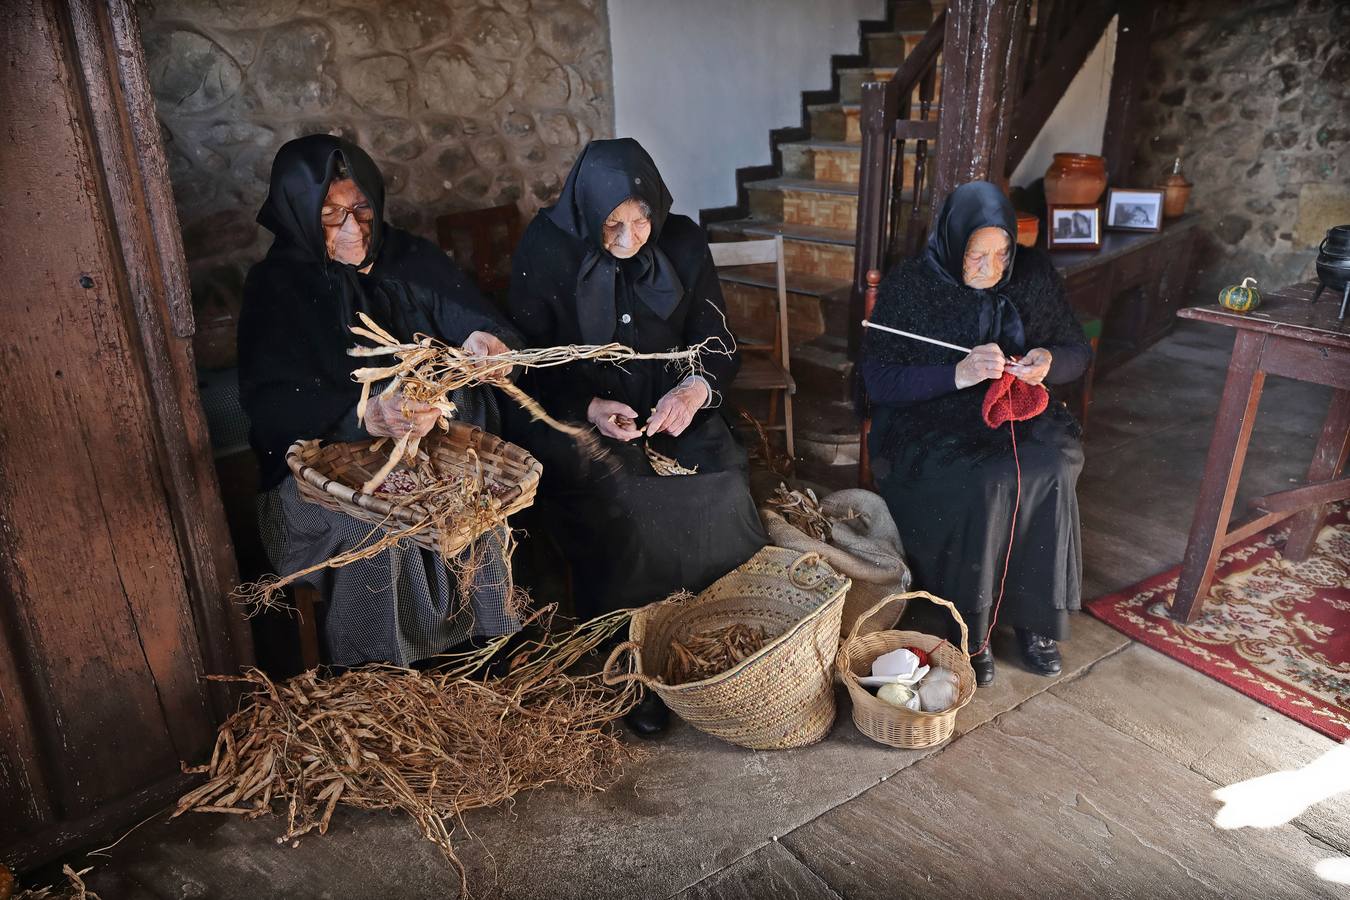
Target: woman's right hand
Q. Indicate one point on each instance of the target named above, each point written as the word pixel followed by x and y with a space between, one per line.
pixel 614 419
pixel 983 363
pixel 395 415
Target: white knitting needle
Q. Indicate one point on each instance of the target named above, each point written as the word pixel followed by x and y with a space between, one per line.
pixel 917 337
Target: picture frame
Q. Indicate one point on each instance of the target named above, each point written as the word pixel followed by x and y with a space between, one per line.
pixel 1073 228
pixel 1134 209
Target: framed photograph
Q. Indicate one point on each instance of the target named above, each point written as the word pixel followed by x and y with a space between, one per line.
pixel 1073 228
pixel 1134 210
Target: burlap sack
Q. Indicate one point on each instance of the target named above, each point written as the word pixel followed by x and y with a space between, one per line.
pixel 864 545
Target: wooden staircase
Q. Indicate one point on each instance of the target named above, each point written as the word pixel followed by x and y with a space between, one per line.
pixel 869 146
pixel 812 201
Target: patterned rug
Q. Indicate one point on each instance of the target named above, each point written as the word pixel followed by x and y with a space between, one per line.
pixel 1275 630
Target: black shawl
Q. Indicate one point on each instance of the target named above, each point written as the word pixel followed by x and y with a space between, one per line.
pixel 566 289
pixel 294 371
pixel 927 295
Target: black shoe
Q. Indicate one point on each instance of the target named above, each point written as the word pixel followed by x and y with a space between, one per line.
pixel 1040 653
pixel 650 717
pixel 983 664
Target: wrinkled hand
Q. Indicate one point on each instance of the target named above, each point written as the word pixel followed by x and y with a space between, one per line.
pixel 676 409
pixel 395 415
pixel 1033 367
pixel 484 343
pixel 983 363
pixel 614 419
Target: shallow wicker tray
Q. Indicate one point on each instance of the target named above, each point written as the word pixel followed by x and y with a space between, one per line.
pixel 780 696
pixel 883 722
pixel 331 475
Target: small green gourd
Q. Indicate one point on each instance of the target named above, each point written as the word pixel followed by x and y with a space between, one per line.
pixel 1241 298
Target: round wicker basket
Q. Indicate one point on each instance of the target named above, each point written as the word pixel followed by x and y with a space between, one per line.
pixel 883 722
pixel 778 697
pixel 331 475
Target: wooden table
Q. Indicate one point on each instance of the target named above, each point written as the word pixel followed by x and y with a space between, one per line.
pixel 1289 336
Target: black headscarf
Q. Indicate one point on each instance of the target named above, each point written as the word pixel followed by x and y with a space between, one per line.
pixel 972 206
pixel 301 173
pixel 606 174
pixel 299 305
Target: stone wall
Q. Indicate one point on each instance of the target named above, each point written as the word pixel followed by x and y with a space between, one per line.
pixel 463 103
pixel 1255 98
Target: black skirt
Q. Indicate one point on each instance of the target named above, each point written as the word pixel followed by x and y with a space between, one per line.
pixel 633 537
pixel 955 516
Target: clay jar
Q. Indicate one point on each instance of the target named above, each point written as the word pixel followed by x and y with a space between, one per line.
pixel 1176 191
pixel 1075 179
pixel 1028 229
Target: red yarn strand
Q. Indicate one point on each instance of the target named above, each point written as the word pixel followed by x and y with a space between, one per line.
pixel 1012 532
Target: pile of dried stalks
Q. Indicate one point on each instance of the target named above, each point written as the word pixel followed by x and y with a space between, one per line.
pixel 432 744
pixel 802 511
pixel 73 889
pixel 713 651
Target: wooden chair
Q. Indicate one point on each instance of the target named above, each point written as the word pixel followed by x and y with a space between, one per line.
pixel 767 366
pixel 481 241
pixel 307 620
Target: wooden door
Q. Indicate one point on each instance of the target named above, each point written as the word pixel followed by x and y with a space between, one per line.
pixel 114 558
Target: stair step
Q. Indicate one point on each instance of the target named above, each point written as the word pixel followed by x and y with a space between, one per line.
pixel 800 201
pixel 852 80
pixel 827 252
pixel 766 276
pixel 834 161
pixel 836 122
pixel 889 48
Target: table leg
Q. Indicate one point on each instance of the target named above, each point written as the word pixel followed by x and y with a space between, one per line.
pixel 1332 449
pixel 1223 469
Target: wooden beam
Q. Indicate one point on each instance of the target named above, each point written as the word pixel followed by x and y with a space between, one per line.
pixel 1048 86
pixel 980 65
pixel 1134 30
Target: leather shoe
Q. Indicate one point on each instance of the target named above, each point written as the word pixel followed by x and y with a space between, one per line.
pixel 650 717
pixel 983 664
pixel 1040 653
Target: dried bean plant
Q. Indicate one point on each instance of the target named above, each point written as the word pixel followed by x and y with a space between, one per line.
pixel 802 511
pixel 433 744
pixel 712 651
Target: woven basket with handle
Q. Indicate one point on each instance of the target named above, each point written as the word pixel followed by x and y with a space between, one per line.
pixel 778 697
pixel 331 475
pixel 886 723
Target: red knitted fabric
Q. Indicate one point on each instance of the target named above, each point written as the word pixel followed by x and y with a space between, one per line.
pixel 1010 400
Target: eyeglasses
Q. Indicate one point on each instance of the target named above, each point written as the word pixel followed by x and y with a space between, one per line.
pixel 333 215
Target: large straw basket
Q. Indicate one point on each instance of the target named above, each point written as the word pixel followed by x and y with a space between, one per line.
pixel 332 474
pixel 897 726
pixel 780 696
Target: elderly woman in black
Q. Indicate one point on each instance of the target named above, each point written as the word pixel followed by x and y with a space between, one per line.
pixel 608 262
pixel 332 257
pixel 948 478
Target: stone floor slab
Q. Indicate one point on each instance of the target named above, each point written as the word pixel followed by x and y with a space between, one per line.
pixel 1206 726
pixel 769 872
pixel 1021 808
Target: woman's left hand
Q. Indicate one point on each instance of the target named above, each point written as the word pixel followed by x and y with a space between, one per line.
pixel 676 409
pixel 1032 367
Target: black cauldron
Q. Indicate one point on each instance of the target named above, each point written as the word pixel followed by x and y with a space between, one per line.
pixel 1333 264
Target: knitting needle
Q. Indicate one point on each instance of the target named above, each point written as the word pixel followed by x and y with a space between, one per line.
pixel 917 337
pixel 927 340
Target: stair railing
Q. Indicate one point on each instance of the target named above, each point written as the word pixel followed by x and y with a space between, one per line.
pixel 888 120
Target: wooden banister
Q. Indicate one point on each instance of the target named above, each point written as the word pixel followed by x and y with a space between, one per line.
pixel 873 278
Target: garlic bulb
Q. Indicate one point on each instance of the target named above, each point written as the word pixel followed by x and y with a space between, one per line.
pixel 938 690
pixel 898 695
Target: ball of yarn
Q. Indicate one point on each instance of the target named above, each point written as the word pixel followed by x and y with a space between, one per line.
pixel 938 690
pixel 899 695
